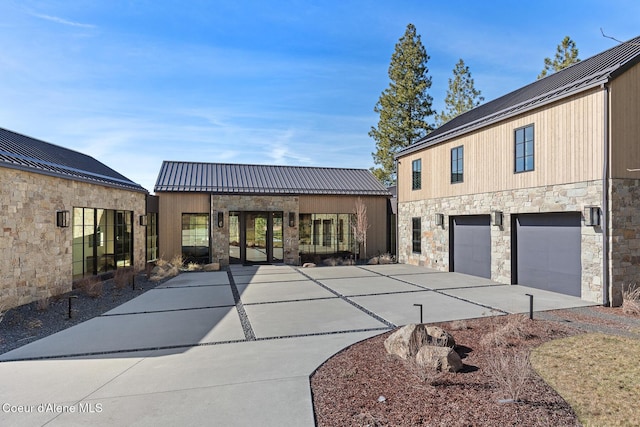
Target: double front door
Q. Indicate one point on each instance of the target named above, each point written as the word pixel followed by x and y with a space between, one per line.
pixel 255 237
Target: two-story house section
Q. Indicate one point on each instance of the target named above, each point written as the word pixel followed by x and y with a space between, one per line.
pixel 538 187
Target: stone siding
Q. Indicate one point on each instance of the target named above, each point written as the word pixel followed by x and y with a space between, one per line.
pixel 35 254
pixel 226 204
pixel 624 240
pixel 554 198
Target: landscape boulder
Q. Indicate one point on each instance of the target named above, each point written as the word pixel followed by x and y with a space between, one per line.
pixel 440 337
pixel 406 341
pixel 443 359
pixel 214 266
pixel 308 265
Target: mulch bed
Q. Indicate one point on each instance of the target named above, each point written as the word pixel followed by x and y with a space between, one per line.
pixel 363 385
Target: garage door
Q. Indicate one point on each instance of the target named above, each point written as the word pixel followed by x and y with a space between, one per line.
pixel 548 251
pixel 472 245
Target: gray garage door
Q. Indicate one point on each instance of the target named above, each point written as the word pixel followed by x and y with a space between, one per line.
pixel 471 245
pixel 548 251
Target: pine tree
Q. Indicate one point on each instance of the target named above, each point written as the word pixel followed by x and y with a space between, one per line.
pixel 566 54
pixel 461 96
pixel 404 106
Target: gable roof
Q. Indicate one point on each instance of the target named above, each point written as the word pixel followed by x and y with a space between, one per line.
pixel 220 178
pixel 579 77
pixel 29 154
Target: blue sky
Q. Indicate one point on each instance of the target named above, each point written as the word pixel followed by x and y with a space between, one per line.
pixel 133 83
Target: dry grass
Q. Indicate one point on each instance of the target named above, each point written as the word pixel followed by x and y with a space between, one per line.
pixel 194 266
pixel 513 330
pixel 165 269
pixel 123 277
pixel 509 370
pixel 177 261
pixel 90 285
pixel 605 366
pixel 631 300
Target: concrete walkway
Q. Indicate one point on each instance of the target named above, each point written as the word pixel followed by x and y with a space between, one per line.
pixel 232 348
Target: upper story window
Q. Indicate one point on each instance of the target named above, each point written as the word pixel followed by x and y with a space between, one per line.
pixel 524 149
pixel 457 164
pixel 416 174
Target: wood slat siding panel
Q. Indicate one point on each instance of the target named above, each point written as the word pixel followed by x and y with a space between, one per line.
pixel 172 206
pixel 625 124
pixel 376 214
pixel 568 139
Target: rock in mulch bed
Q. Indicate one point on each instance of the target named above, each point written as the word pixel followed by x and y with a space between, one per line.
pixel 364 385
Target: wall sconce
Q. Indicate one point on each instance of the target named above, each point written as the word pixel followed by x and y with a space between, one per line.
pixel 592 215
pixel 440 220
pixel 292 219
pixel 62 218
pixel 220 219
pixel 497 218
pixel 143 220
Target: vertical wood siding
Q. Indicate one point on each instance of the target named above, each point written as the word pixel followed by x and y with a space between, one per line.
pixel 568 137
pixel 625 124
pixel 172 206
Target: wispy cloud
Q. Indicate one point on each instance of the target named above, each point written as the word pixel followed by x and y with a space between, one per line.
pixel 62 21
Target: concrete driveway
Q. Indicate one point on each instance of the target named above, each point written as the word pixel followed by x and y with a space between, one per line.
pixel 233 348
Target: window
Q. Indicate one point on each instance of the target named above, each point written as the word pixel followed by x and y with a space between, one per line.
pixel 326 234
pixel 417 234
pixel 416 175
pixel 457 164
pixel 524 149
pixel 102 240
pixel 195 238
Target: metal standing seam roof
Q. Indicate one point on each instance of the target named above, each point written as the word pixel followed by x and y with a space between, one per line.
pixel 220 178
pixel 584 75
pixel 29 154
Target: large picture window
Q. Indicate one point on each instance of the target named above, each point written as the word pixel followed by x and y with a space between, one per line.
pixel 416 174
pixel 416 225
pixel 102 240
pixel 457 164
pixel 524 149
pixel 195 238
pixel 326 234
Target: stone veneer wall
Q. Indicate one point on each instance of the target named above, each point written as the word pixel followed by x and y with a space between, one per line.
pixel 227 203
pixel 35 254
pixel 624 207
pixel 553 198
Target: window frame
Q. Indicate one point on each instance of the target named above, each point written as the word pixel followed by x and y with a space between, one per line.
pixel 457 176
pixel 416 174
pixel 524 156
pixel 416 239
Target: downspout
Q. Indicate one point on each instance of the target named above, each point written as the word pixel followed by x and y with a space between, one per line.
pixel 213 223
pixel 605 202
pixel 397 242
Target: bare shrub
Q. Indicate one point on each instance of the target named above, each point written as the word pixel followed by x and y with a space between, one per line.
pixel 514 329
pixel 509 370
pixel 425 374
pixel 360 225
pixel 43 303
pixel 631 300
pixel 90 285
pixel 34 323
pixel 123 277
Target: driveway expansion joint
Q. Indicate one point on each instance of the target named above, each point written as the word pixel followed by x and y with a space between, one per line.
pixel 166 311
pixel 244 318
pixel 346 299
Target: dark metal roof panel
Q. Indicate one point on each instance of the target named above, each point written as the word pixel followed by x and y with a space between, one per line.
pixel 265 179
pixel 25 153
pixel 579 77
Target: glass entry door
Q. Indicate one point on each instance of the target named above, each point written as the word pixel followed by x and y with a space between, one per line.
pixel 255 237
pixel 256 242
